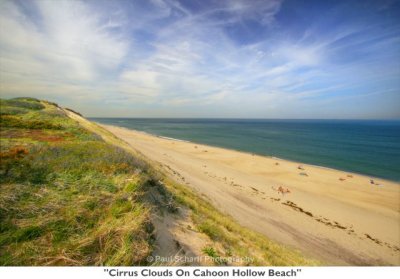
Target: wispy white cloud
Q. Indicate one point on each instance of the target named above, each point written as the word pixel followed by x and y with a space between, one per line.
pixel 70 46
pixel 194 58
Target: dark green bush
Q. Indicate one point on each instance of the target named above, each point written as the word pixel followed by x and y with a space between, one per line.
pixel 11 121
pixel 28 103
pixel 71 110
pixel 27 99
pixel 6 110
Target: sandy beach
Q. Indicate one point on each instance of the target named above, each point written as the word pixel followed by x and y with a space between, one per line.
pixel 336 217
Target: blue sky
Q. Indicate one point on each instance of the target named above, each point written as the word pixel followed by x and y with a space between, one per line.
pixel 205 58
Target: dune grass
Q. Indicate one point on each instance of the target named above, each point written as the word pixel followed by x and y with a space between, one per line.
pixel 74 194
pixel 67 197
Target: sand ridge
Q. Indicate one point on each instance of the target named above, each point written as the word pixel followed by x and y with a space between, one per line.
pixel 335 216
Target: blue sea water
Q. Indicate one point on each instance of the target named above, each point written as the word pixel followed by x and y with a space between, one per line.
pixel 361 146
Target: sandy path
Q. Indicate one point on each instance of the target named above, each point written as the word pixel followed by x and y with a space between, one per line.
pixel 349 222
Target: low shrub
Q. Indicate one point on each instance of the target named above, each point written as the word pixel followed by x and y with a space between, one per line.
pixel 28 103
pixel 11 121
pixel 7 110
pixel 71 110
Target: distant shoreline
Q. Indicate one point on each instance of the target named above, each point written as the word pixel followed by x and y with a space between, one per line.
pixel 374 177
pixel 93 118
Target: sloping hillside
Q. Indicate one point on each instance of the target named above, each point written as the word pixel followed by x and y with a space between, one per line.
pixel 74 194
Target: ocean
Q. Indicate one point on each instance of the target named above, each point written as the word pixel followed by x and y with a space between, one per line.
pixel 370 147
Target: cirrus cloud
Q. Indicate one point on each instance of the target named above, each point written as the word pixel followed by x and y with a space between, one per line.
pixel 169 58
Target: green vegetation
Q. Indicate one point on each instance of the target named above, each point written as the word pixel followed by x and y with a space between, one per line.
pixel 211 252
pixel 67 197
pixel 74 194
pixel 22 103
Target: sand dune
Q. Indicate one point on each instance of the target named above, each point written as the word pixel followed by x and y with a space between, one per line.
pixel 337 217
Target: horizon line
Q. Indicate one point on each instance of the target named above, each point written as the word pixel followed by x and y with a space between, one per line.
pixel 237 118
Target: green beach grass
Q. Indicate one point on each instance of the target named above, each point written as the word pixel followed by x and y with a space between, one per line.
pixel 74 194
